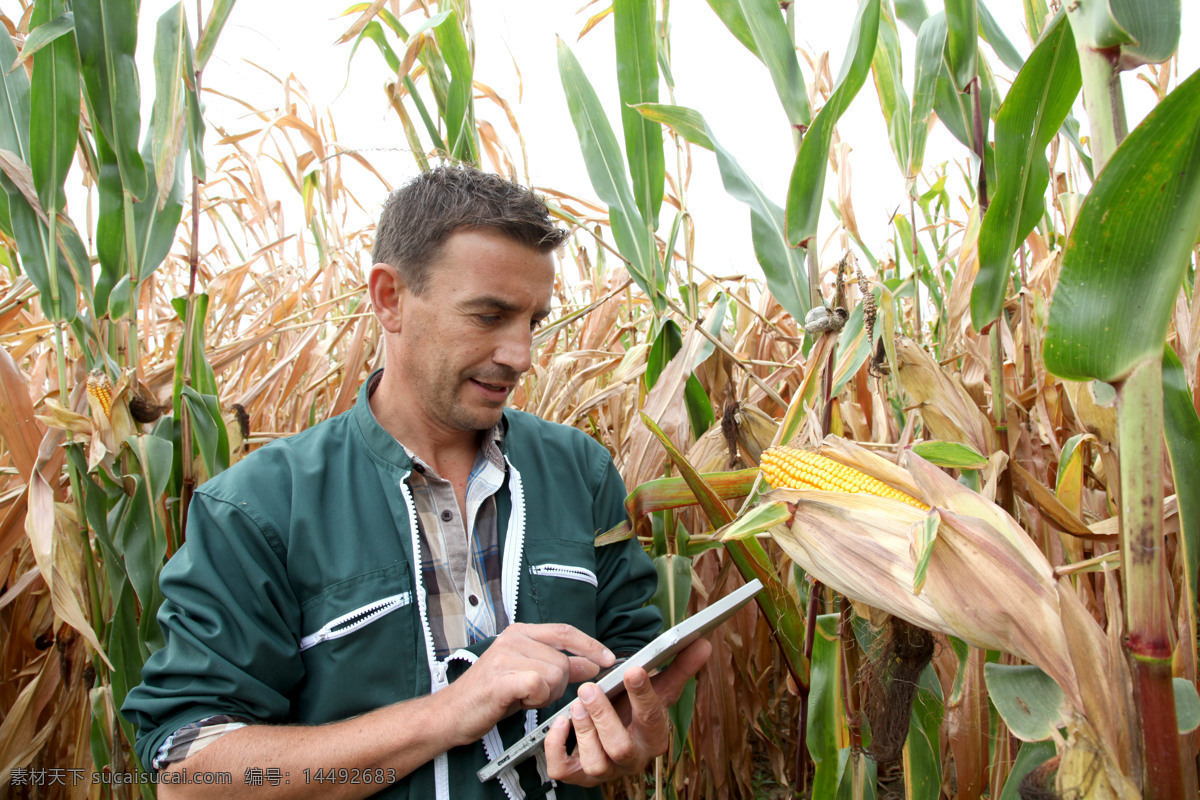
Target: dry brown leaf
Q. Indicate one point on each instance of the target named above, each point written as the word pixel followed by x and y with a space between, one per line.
pixel 19 431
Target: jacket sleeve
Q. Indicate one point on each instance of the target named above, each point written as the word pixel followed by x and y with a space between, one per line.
pixel 626 575
pixel 229 621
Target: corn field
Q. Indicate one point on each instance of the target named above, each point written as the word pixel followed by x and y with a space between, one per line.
pixel 1009 611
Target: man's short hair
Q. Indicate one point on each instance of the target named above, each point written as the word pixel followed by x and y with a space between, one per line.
pixel 420 216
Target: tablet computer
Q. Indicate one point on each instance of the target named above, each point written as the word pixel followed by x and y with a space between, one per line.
pixel 651 657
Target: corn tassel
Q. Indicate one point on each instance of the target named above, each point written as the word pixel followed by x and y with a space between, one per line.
pixel 793 468
pixel 99 389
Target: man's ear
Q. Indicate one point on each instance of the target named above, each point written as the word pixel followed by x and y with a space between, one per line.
pixel 387 291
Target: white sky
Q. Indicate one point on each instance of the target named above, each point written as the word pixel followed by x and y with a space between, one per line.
pixel 713 74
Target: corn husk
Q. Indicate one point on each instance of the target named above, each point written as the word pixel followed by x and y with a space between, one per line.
pixel 973 573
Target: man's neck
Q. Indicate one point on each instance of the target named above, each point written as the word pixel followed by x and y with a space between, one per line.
pixel 448 452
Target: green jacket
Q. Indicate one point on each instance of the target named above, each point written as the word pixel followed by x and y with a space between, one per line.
pixel 297 597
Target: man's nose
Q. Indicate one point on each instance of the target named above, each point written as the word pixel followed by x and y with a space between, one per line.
pixel 515 348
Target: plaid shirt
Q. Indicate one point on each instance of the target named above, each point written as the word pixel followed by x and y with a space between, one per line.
pixel 461 571
pixel 461 575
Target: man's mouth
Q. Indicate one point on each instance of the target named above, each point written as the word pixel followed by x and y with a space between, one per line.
pixel 496 388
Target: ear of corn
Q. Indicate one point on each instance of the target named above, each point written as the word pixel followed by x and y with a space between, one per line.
pixel 793 468
pixel 99 389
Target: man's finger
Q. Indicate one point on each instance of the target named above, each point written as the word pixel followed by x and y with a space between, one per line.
pixel 561 636
pixel 647 706
pixel 670 682
pixel 589 751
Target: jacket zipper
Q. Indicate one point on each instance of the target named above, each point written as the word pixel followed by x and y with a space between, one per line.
pixel 437 671
pixel 564 571
pixel 359 618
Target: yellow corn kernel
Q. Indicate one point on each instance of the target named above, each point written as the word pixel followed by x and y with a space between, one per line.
pixel 99 388
pixel 790 467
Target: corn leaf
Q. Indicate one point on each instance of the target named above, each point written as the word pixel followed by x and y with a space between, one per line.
pixel 1181 427
pixel 931 43
pixel 54 106
pixel 922 757
pixel 1032 112
pixel 172 58
pixel 994 35
pixel 759 519
pixel 962 41
pixel 806 189
pixel 106 34
pixel 783 266
pixel 924 535
pixel 1029 757
pixel 887 71
pixel 44 32
pixel 637 80
pixel 759 26
pixel 954 455
pixel 686 122
pixel 1145 31
pixel 1129 249
pixel 825 721
pixel 664 493
pixel 606 169
pixel 674 587
pixel 1187 705
pixel 1029 701
pixel 459 111
pixel 217 17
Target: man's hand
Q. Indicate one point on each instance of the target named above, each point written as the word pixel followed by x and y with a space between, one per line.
pixel 615 741
pixel 525 667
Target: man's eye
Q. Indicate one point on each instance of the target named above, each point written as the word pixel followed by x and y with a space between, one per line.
pixel 487 319
pixel 535 324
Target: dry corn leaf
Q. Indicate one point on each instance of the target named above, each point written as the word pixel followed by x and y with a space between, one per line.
pixel 946 407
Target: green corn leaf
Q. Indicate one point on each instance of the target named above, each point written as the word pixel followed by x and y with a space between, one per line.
pixel 994 35
pixel 637 80
pixel 759 26
pixel 1129 249
pixel 923 539
pixel 1036 11
pixel 674 588
pixel 922 757
pixel 1035 108
pixel 824 710
pixel 806 189
pixel 172 57
pixel 44 32
pixel 1187 705
pixel 931 43
pixel 1029 701
pixel 759 519
pixel 1181 427
pixel 887 71
pixel 217 17
pixel 853 350
pixel 777 602
pixel 1145 31
pixel 912 13
pixel 1030 756
pixel 663 493
pixel 606 168
pixel 962 41
pixel 54 105
pixel 106 34
pixel 781 263
pixel 686 122
pixel 953 455
pixel 459 114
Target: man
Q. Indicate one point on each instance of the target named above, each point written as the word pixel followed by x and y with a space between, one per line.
pixel 386 601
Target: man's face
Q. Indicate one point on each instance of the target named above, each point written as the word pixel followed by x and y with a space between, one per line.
pixel 465 342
